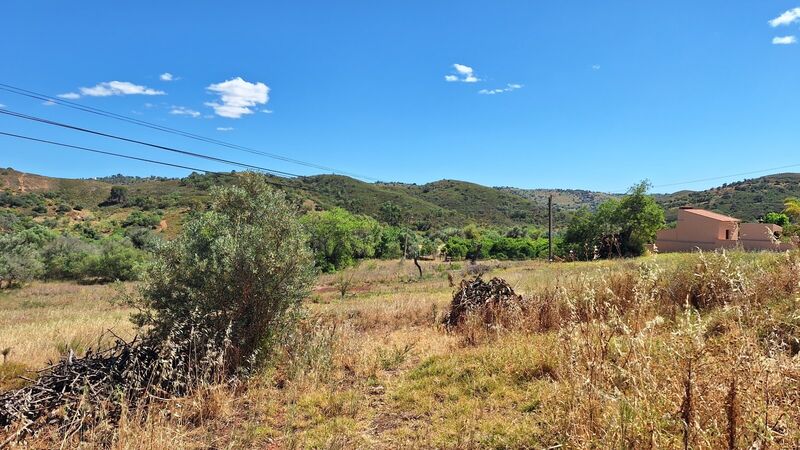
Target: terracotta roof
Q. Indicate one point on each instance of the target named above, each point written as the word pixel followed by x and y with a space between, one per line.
pixel 711 215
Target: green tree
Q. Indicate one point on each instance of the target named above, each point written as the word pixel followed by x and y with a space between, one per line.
pixel 243 267
pixel 639 218
pixel 392 213
pixel 339 238
pixel 618 227
pixel 779 219
pixel 117 196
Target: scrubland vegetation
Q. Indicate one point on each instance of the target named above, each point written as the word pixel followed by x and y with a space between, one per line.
pixel 645 353
pixel 315 343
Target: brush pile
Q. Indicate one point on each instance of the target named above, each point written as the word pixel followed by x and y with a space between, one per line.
pixel 79 392
pixel 486 299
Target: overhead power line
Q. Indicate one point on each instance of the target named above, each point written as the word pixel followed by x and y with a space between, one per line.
pixel 136 141
pixel 722 177
pixel 104 152
pixel 133 120
pixel 135 158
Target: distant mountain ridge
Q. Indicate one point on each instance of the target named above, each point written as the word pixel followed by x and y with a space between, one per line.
pixel 436 204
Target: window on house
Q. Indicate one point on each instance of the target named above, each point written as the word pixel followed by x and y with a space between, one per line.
pixel 727 235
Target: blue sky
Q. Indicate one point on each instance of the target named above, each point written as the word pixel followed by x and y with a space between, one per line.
pixel 593 95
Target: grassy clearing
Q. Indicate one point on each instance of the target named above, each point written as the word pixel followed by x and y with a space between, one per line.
pixel 603 355
pixel 45 320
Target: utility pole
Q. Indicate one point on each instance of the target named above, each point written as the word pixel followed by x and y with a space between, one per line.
pixel 550 226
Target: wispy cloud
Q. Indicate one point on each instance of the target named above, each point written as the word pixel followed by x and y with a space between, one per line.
pixel 509 87
pixel 224 128
pixel 184 111
pixel 788 17
pixel 48 103
pixel 784 40
pixel 109 88
pixel 595 66
pixel 166 76
pixel 464 74
pixel 238 97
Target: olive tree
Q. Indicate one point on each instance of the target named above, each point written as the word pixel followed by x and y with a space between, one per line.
pixel 241 268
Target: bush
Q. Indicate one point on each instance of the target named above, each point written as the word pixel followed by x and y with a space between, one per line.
pixel 142 219
pixel 117 260
pixel 19 260
pixel 242 267
pixel 66 257
pixel 143 238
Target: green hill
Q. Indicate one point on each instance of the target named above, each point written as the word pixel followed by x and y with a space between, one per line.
pixel 432 205
pixel 746 200
pixel 563 199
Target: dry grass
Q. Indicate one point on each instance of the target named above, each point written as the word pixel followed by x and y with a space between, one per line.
pixel 670 351
pixel 43 320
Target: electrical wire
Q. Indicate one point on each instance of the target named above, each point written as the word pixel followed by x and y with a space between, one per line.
pixel 89 109
pixel 120 155
pixel 135 141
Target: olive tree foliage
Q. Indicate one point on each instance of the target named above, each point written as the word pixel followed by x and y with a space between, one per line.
pixel 242 267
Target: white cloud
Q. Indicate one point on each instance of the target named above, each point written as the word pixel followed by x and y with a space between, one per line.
pixel 184 111
pixel 267 111
pixel 509 87
pixel 784 40
pixel 109 88
pixel 166 76
pixel 224 128
pixel 48 103
pixel 70 95
pixel 238 97
pixel 465 74
pixel 788 17
pixel 595 66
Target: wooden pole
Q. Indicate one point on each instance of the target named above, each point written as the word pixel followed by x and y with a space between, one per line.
pixel 550 227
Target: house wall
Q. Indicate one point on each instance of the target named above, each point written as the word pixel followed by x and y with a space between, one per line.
pixel 699 232
pixel 696 231
pixel 760 236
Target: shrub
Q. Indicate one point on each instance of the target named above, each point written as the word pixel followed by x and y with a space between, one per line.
pixel 66 257
pixel 117 260
pixel 242 267
pixel 142 219
pixel 19 260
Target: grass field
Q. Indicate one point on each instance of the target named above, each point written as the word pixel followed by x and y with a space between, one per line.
pixel 658 352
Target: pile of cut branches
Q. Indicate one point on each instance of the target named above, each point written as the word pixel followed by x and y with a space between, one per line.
pixel 79 392
pixel 484 298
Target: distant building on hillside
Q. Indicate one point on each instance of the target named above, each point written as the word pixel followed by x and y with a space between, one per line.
pixel 706 230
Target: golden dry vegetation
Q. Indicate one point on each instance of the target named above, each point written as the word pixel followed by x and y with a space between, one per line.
pixel 659 352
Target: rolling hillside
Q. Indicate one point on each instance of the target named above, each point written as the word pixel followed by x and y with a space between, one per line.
pixel 445 203
pixel 432 205
pixel 563 199
pixel 746 200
